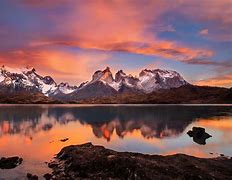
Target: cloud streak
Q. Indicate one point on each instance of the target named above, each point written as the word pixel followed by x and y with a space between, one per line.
pixel 164 49
pixel 116 26
pixel 222 81
pixel 44 33
pixel 71 67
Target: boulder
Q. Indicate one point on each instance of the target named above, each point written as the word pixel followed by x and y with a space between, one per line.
pixel 199 135
pixel 32 177
pixel 10 162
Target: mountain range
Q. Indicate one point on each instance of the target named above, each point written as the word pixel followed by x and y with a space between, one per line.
pixel 151 86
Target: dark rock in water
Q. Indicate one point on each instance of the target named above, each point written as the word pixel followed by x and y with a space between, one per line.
pixel 32 177
pixel 95 162
pixel 64 140
pixel 199 135
pixel 47 176
pixel 10 163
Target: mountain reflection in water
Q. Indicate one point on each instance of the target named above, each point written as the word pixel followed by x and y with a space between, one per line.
pixel 150 121
pixel 34 132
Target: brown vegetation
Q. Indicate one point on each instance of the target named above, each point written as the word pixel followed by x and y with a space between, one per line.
pixel 26 98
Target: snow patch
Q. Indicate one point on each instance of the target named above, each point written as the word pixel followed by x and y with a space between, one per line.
pixel 66 90
pixel 115 85
pixel 2 78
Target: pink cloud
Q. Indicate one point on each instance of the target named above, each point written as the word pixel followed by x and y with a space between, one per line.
pixel 126 25
pixel 204 32
pixel 116 26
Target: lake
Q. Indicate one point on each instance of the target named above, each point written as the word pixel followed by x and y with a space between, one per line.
pixel 33 132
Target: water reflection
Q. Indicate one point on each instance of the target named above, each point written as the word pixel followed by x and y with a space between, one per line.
pixel 151 122
pixel 28 131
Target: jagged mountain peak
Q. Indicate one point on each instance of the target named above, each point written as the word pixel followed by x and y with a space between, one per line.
pixel 107 69
pixel 151 80
pixel 83 84
pixel 48 80
pixel 30 68
pixel 63 84
pixel 121 72
pixel 166 72
pixel 66 84
pixel 147 81
pixel 120 75
pixel 64 88
pixel 26 79
pixel 17 70
pixel 146 70
pixel 105 76
pixel 102 81
pixel 159 72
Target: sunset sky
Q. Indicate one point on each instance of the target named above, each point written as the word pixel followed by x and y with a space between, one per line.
pixel 71 39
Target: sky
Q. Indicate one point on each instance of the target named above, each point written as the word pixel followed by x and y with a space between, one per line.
pixel 71 39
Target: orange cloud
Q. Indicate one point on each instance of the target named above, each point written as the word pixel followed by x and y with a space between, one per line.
pixel 119 26
pixel 224 81
pixel 116 25
pixel 164 49
pixel 64 66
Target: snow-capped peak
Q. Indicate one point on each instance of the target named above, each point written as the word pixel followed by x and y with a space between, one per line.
pixel 151 80
pixel 148 80
pixel 66 88
pixel 6 69
pixel 120 75
pixel 26 78
pixel 28 69
pixel 104 76
pixel 17 70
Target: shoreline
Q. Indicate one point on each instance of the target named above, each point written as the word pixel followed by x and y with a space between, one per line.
pixel 89 161
pixel 113 104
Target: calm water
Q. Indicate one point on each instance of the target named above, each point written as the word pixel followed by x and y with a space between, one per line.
pixel 33 132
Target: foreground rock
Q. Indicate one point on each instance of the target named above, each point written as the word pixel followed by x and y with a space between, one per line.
pixel 95 162
pixel 10 163
pixel 199 135
pixel 32 177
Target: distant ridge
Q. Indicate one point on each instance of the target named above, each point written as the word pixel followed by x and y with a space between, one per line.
pixel 161 86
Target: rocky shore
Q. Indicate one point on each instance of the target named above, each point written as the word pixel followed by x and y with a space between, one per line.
pixel 96 162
